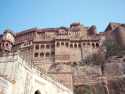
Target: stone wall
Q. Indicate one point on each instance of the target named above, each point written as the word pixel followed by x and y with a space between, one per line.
pixel 116 31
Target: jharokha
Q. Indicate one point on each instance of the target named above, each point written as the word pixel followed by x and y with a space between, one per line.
pixel 56 50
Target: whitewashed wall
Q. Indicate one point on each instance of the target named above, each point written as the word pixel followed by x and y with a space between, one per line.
pixel 24 79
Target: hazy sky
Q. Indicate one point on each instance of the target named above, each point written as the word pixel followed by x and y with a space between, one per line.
pixel 19 15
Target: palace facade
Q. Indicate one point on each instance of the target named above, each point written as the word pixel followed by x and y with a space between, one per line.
pixel 54 50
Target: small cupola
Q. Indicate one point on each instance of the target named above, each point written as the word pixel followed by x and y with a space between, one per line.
pixel 8 40
pixel 75 26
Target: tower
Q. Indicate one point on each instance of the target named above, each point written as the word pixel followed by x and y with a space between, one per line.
pixel 7 41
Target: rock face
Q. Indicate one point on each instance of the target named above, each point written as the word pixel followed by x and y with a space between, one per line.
pixel 86 74
pixel 115 66
pixel 112 81
pixel 91 89
pixel 117 86
pixel 114 70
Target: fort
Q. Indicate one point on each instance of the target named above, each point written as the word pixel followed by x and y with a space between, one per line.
pixel 54 51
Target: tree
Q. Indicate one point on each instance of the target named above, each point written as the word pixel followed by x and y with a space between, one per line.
pixel 113 48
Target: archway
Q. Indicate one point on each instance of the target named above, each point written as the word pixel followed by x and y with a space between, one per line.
pixel 37 92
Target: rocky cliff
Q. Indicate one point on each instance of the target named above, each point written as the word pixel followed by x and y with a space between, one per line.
pixel 89 79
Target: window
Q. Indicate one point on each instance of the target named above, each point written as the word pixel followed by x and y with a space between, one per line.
pixel 41 54
pixel 37 47
pixel 75 45
pixel 47 46
pixel 71 45
pixel 42 46
pixel 67 44
pixel 7 44
pixel 79 45
pixel 97 45
pixel 53 53
pixel 35 54
pixel 84 44
pixel 57 44
pixel 93 45
pixel 62 43
pixel 124 60
pixel 47 54
pixel 37 92
pixel 88 44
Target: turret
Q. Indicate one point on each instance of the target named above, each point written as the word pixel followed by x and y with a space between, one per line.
pixel 75 27
pixel 7 41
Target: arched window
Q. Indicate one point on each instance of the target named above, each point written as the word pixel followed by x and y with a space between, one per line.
pixel 47 46
pixel 37 47
pixel 47 54
pixel 62 43
pixel 79 45
pixel 42 46
pixel 67 44
pixel 41 54
pixel 71 45
pixel 7 44
pixel 88 43
pixel 35 54
pixel 57 44
pixel 83 44
pixel 97 45
pixel 93 45
pixel 75 45
pixel 37 92
pixel 52 53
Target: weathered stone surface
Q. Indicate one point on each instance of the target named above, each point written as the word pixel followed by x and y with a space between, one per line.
pixel 86 74
pixel 114 69
pixel 115 66
pixel 91 89
pixel 117 86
